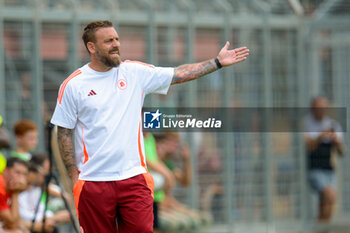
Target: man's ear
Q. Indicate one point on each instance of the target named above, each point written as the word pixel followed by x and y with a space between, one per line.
pixel 91 47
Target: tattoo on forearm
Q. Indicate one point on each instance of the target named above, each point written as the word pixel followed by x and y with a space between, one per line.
pixel 65 143
pixel 190 72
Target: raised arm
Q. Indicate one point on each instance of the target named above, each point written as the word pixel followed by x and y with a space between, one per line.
pixel 225 57
pixel 10 217
pixel 65 143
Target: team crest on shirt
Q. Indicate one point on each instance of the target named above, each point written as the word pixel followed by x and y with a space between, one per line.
pixel 122 84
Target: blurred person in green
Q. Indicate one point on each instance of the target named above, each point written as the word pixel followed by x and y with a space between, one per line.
pixel 5 143
pixel 173 215
pixel 164 181
pixel 169 146
pixel 26 132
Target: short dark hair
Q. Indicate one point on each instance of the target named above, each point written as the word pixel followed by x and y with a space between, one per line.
pixel 37 161
pixel 33 167
pixel 13 160
pixel 91 28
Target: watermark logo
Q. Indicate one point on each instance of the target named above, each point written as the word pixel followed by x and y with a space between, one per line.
pixel 183 119
pixel 152 120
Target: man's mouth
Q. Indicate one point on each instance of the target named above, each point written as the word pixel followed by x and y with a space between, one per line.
pixel 114 52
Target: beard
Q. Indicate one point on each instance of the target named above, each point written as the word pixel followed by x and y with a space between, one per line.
pixel 107 60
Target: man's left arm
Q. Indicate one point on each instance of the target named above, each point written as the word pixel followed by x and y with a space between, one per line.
pixel 226 57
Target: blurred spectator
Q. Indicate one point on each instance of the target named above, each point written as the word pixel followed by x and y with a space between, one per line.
pixel 323 135
pixel 26 133
pixel 5 143
pixel 164 180
pixel 168 146
pixel 32 199
pixel 12 182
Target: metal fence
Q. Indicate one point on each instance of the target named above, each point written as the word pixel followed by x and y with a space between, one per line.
pixel 298 49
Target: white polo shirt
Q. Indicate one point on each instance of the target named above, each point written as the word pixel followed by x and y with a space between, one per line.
pixel 104 108
pixel 314 128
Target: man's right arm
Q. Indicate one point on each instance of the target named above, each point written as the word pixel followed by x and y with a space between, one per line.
pixel 65 143
pixel 10 217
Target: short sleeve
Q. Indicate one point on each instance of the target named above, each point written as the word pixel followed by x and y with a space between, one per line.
pixel 65 114
pixel 155 79
pixel 338 130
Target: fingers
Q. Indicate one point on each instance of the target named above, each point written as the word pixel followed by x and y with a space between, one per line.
pixel 241 52
pixel 240 59
pixel 227 45
pixel 237 50
pixel 242 55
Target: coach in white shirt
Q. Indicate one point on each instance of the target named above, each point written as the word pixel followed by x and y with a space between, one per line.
pixel 101 102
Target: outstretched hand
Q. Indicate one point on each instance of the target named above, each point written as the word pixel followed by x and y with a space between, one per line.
pixel 229 57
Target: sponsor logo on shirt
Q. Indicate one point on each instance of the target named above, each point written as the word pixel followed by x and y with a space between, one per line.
pixel 92 92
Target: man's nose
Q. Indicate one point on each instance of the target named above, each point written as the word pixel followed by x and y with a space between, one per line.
pixel 116 43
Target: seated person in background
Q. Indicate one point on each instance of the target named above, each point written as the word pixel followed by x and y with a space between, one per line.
pixel 164 179
pixel 168 146
pixel 26 133
pixel 39 167
pixel 12 182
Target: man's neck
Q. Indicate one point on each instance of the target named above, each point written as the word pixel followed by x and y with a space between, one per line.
pixel 21 150
pixel 98 66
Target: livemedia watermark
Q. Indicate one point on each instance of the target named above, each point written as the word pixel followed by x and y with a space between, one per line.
pixel 236 119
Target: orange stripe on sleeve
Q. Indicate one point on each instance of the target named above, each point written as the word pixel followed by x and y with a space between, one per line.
pixel 140 147
pixel 139 62
pixel 64 84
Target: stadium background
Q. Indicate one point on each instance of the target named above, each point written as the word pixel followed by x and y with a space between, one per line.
pixel 299 49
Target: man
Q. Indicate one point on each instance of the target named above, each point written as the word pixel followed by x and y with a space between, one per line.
pixel 168 146
pixel 39 167
pixel 323 135
pixel 164 180
pixel 101 102
pixel 26 133
pixel 12 182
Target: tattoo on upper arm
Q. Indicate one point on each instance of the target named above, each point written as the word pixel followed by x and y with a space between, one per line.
pixel 65 143
pixel 190 72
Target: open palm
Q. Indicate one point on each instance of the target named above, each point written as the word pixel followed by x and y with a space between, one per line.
pixel 229 57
